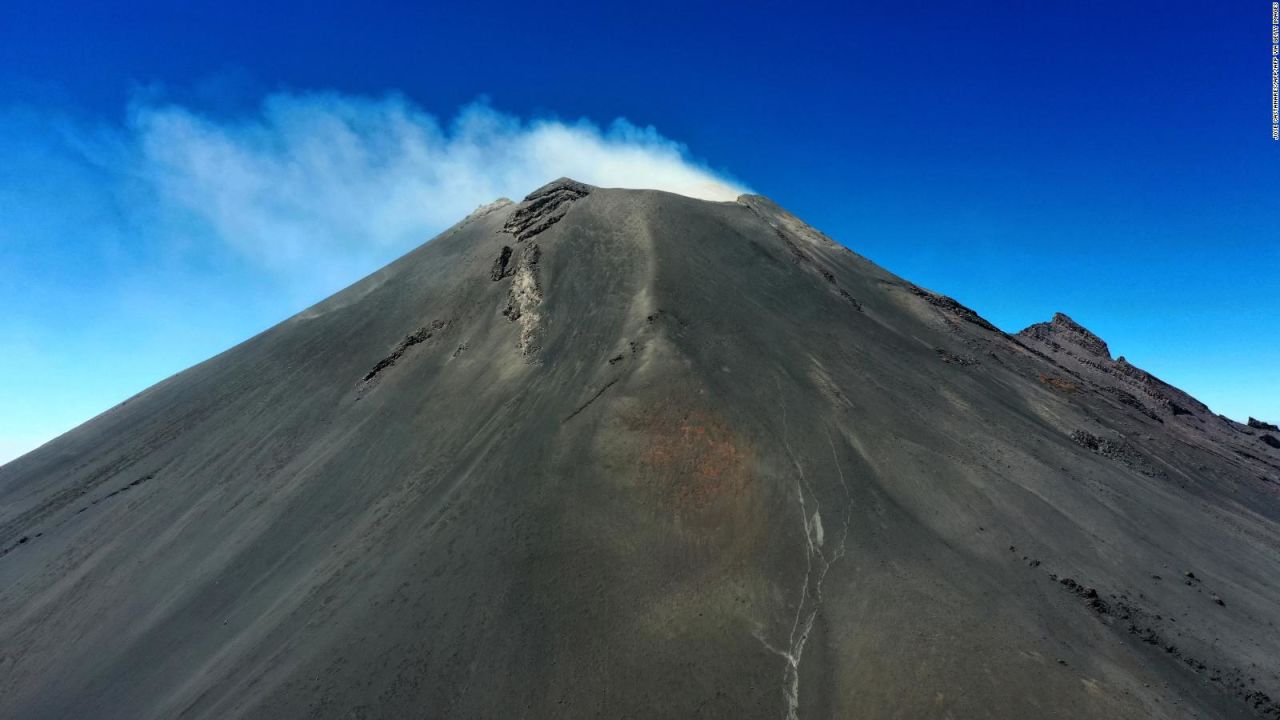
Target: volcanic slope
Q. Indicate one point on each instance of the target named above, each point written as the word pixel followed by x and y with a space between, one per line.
pixel 625 454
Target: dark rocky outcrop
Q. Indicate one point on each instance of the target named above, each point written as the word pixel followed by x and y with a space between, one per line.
pixel 952 307
pixel 501 264
pixel 955 358
pixel 416 337
pixel 1065 332
pixel 1080 350
pixel 544 207
pixel 1119 450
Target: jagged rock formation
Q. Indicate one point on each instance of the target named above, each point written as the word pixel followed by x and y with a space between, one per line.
pixel 524 299
pixel 1085 355
pixel 1065 335
pixel 609 453
pixel 544 207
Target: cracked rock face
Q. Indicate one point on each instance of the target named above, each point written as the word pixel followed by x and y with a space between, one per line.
pixel 524 299
pixel 544 207
pixel 621 453
pixel 1063 330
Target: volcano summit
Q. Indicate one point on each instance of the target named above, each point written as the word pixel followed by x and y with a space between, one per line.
pixel 626 454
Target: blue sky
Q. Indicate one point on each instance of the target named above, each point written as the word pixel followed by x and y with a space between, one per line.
pixel 176 177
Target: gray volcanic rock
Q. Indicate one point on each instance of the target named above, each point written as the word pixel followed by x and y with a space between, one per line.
pixel 544 207
pixel 1062 331
pixel 619 453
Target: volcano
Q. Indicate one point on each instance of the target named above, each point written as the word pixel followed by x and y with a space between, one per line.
pixel 614 453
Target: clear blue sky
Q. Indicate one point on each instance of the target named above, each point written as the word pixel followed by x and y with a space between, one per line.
pixel 1109 160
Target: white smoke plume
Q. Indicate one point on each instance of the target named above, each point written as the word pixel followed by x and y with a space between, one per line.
pixel 323 175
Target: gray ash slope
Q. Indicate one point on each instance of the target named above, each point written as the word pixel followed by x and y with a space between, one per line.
pixel 615 453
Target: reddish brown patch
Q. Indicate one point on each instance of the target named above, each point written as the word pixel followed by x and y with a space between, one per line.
pixel 1058 383
pixel 696 477
pixel 690 458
